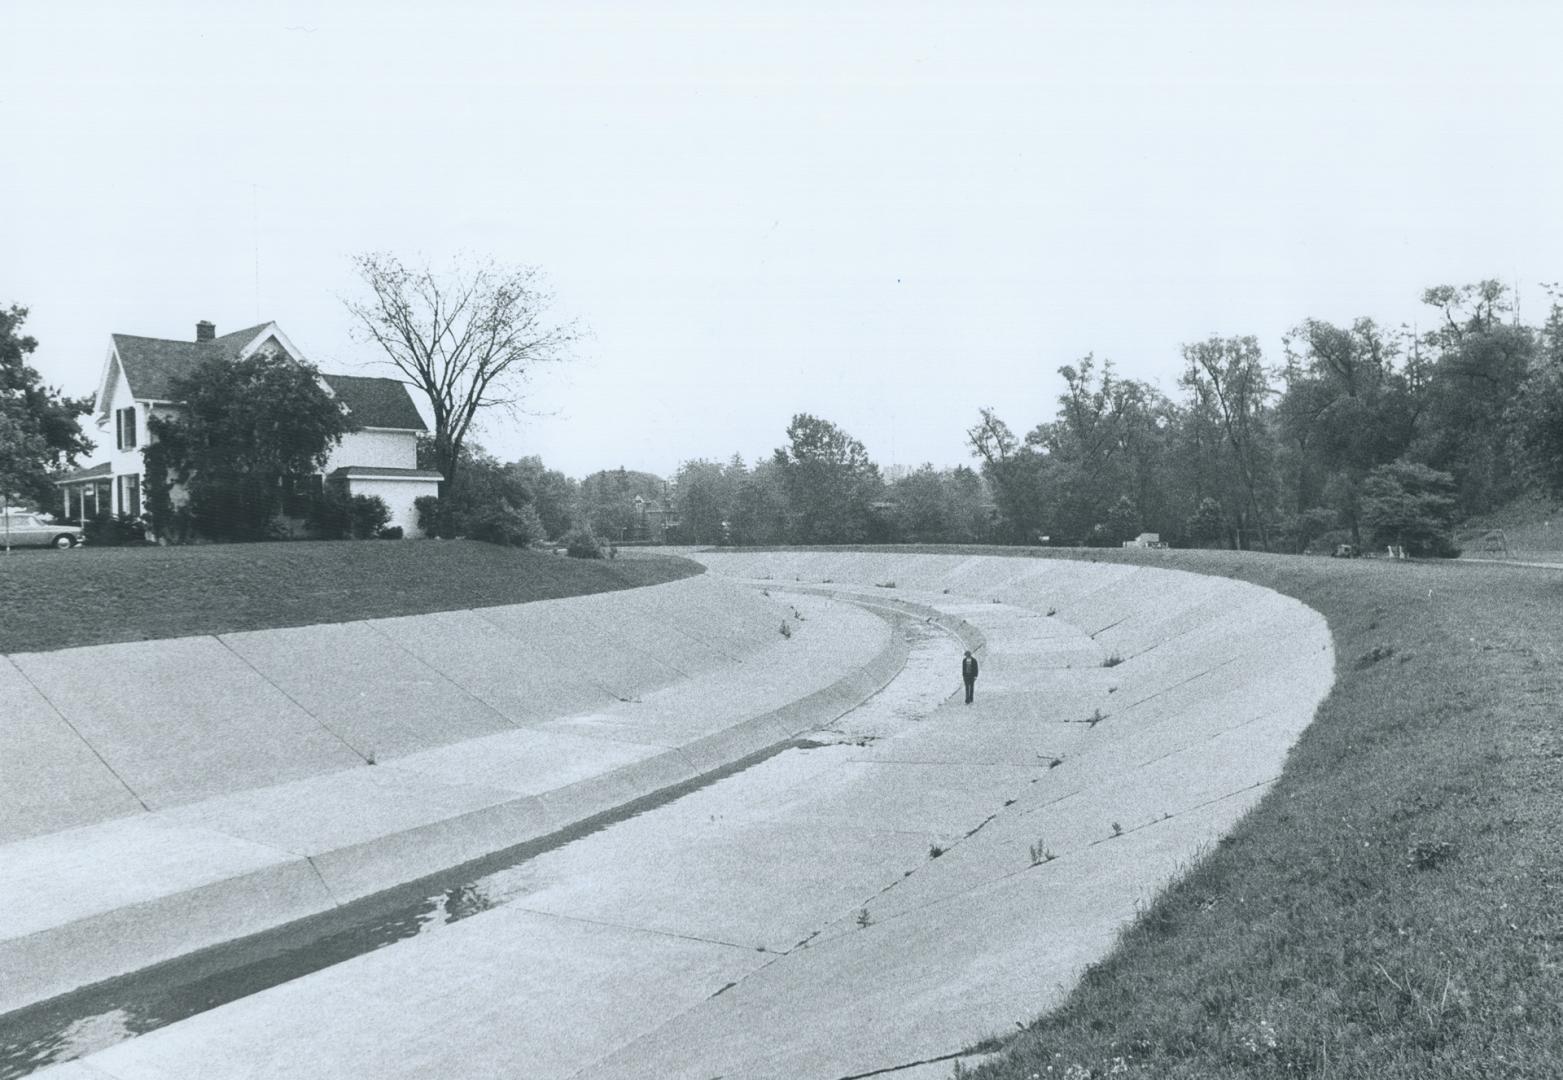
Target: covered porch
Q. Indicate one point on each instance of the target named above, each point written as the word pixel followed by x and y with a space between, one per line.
pixel 87 493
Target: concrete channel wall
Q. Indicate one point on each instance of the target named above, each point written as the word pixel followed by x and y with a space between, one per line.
pixel 917 875
pixel 1113 699
pixel 164 796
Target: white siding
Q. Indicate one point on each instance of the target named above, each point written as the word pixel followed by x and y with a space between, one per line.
pixel 376 449
pixel 105 436
pixel 398 495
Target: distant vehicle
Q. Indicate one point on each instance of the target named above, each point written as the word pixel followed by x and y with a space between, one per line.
pixel 29 529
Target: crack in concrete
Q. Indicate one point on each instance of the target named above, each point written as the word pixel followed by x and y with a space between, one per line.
pixel 296 703
pixel 446 680
pixel 134 794
pixel 988 882
pixel 904 1066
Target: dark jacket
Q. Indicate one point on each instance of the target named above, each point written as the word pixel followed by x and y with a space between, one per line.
pixel 969 667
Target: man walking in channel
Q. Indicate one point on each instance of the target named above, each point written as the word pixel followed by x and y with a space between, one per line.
pixel 969 673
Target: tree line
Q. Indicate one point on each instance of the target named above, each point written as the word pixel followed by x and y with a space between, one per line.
pixel 1360 434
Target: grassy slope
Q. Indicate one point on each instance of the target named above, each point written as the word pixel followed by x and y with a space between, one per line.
pixel 1532 526
pixel 54 599
pixel 1394 908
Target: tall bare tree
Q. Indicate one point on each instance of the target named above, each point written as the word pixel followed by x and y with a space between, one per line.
pixel 466 338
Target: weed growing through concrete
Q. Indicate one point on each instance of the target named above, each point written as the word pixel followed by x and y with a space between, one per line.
pixel 884 584
pixel 1117 829
pixel 1096 717
pixel 1040 853
pixel 1112 661
pixel 1051 612
pixel 786 631
pixel 934 851
pixel 1055 763
pixel 863 919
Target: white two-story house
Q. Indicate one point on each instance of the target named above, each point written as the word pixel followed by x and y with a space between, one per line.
pixel 381 458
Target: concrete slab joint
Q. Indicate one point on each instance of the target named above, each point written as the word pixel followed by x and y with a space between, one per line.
pixel 321 690
pixel 915 874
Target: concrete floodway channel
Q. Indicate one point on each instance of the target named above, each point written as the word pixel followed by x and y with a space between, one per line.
pixel 796 851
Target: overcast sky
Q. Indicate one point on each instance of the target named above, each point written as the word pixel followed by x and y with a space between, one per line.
pixel 888 215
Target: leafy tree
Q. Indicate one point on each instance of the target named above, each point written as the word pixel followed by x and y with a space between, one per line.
pixel 1539 411
pixel 1108 442
pixel 1013 471
pixel 245 426
pixel 938 506
pixel 549 492
pixel 465 339
pixel 704 496
pixel 1123 521
pixel 1408 504
pixel 1228 388
pixel 486 496
pixel 829 481
pixel 1481 363
pixel 39 429
pixel 759 514
pixel 1346 410
pixel 607 501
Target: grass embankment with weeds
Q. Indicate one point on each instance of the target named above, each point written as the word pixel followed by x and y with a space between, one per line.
pixel 55 599
pixel 1393 908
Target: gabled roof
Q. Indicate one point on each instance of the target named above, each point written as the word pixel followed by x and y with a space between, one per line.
pixel 382 403
pixel 105 469
pixel 151 364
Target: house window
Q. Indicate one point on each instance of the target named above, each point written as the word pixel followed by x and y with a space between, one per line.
pixel 130 495
pixel 125 428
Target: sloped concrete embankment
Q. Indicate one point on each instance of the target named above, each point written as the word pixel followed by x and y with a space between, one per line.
pixel 1153 708
pixel 923 874
pixel 161 797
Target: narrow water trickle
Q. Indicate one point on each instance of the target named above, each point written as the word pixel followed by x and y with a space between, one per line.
pixel 108 1013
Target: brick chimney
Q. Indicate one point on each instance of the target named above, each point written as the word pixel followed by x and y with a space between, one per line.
pixel 205 331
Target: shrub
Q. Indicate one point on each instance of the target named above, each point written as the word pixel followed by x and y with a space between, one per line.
pixel 335 515
pixel 106 530
pixel 582 544
pixel 237 508
pixel 369 515
pixel 438 517
pixel 393 532
pixel 506 525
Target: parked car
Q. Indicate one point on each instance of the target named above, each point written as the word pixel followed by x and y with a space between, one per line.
pixel 29 529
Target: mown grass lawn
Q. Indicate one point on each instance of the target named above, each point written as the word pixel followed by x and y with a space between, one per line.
pixel 54 599
pixel 1394 907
